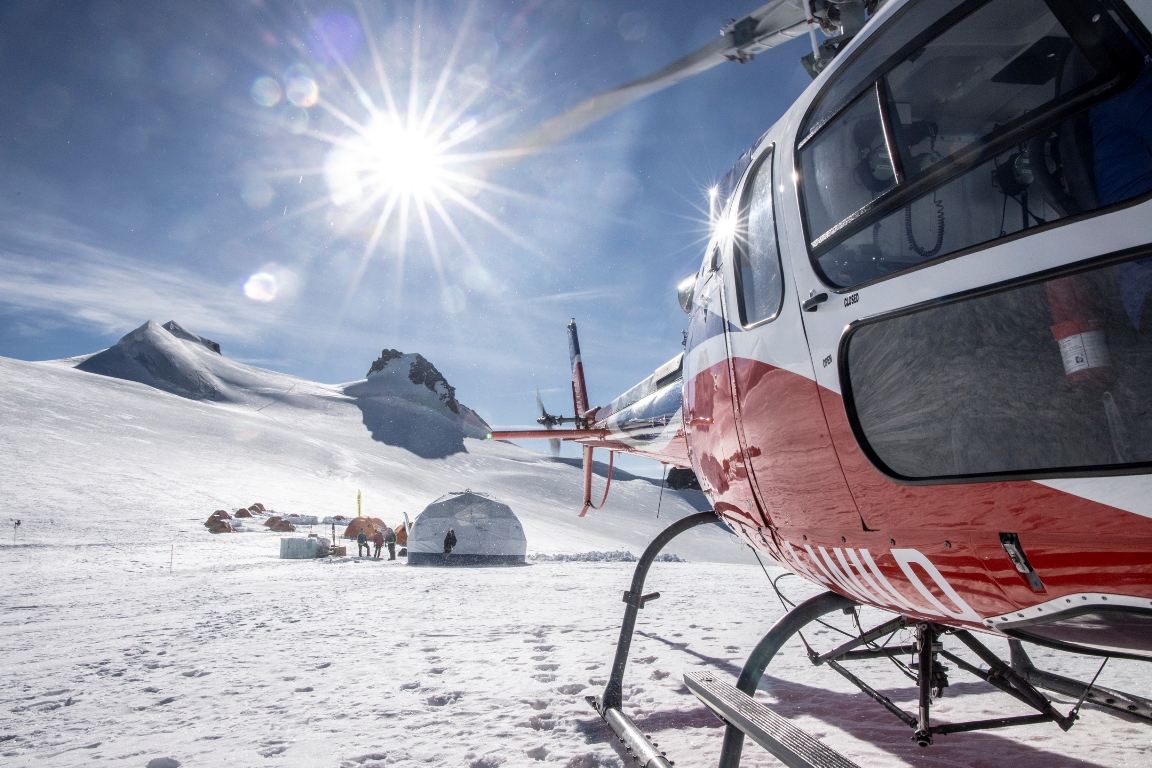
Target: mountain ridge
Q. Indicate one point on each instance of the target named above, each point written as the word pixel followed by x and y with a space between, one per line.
pixel 404 401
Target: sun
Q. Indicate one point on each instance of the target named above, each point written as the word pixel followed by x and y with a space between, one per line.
pixel 387 160
pixel 408 151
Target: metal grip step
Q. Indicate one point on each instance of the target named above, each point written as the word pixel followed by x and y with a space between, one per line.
pixel 789 744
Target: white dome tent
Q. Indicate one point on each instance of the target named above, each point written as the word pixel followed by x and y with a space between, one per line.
pixel 487 532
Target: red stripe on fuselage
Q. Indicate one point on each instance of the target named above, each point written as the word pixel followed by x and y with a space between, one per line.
pixel 817 487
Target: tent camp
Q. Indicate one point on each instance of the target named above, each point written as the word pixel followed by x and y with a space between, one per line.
pixel 487 532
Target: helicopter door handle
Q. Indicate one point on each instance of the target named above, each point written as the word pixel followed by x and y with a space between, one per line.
pixel 810 305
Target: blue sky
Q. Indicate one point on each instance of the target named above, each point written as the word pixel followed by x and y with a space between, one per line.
pixel 160 154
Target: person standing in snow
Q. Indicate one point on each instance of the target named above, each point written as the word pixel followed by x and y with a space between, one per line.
pixel 362 544
pixel 378 540
pixel 390 539
pixel 449 541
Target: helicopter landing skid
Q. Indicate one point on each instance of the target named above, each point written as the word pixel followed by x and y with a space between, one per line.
pixel 795 745
pixel 609 705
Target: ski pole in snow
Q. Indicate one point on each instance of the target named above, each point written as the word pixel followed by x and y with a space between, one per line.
pixel 171 557
pixel 15 525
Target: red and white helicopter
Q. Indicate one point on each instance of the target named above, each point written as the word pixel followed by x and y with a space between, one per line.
pixel 918 365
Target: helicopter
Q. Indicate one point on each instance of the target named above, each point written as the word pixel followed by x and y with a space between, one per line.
pixel 917 370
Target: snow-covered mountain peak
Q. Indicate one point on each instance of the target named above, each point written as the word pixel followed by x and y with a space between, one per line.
pixel 405 396
pixel 411 376
pixel 173 361
pixel 180 332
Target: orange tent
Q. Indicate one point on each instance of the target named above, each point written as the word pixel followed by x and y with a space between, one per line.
pixel 401 535
pixel 366 524
pixel 216 517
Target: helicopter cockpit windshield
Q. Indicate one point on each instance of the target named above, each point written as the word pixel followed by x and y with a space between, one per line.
pixel 973 123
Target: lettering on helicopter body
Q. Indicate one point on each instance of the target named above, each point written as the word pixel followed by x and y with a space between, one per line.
pixel 856 573
pixel 828 361
pixel 850 300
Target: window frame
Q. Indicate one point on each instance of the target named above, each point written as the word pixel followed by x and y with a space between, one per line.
pixel 906 191
pixel 849 400
pixel 740 250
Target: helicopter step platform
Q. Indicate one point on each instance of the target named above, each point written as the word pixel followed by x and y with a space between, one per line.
pixel 785 741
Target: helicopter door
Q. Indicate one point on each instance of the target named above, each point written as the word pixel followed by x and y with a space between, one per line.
pixel 933 186
pixel 713 445
pixel 782 429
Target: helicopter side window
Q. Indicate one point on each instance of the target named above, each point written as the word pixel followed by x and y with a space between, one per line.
pixel 759 278
pixel 1003 120
pixel 1040 379
pixel 847 166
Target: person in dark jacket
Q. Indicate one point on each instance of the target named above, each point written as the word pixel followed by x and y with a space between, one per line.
pixel 449 541
pixel 378 540
pixel 362 545
pixel 389 536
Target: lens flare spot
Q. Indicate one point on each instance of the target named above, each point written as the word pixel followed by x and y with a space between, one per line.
pixel 261 286
pixel 302 91
pixel 266 91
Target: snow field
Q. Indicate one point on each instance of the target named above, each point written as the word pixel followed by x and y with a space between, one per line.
pixel 234 657
pixel 256 661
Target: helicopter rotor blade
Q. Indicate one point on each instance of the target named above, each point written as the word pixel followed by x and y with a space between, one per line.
pixel 554 445
pixel 768 26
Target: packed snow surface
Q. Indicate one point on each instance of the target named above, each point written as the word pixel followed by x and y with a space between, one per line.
pixel 133 637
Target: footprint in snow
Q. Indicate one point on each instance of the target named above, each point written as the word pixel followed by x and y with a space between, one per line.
pixel 548 667
pixel 410 686
pixel 537 753
pixel 659 674
pixel 163 762
pixel 571 689
pixel 542 722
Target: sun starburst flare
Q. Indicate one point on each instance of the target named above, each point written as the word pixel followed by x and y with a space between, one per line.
pixel 405 165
